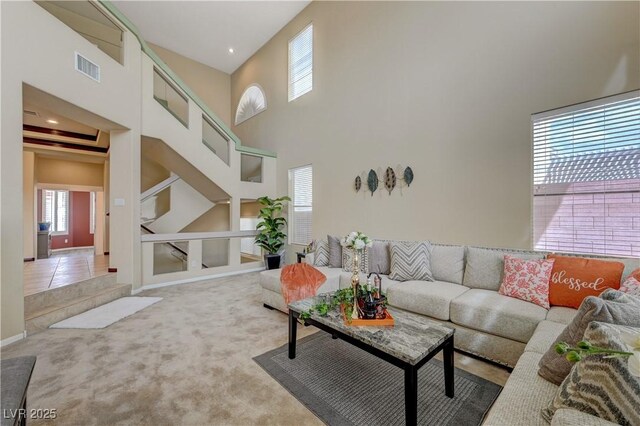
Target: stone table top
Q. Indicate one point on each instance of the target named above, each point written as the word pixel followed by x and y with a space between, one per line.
pixel 412 338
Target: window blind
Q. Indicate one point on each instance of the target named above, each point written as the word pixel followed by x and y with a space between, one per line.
pixel 301 63
pixel 300 214
pixel 55 209
pixel 586 177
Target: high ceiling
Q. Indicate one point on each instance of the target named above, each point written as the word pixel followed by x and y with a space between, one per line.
pixel 204 31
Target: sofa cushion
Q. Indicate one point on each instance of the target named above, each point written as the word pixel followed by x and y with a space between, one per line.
pixel 570 417
pixel 546 333
pixel 523 396
pixel 488 311
pixel 484 267
pixel 335 252
pixel 527 279
pixel 270 279
pixel 431 298
pixel 630 263
pixel 601 386
pixel 411 261
pixel 631 285
pixel 379 257
pixel 612 307
pixel 574 278
pixel 561 314
pixel 321 257
pixel 447 263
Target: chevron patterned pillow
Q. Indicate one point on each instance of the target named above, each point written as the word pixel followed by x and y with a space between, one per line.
pixel 600 386
pixel 411 261
pixel 322 253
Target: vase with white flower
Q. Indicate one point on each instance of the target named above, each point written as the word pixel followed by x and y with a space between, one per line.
pixel 358 242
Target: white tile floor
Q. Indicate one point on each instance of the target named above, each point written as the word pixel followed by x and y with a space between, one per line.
pixel 62 269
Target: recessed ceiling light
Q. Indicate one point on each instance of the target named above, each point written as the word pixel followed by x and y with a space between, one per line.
pixel 231 50
pixel 52 121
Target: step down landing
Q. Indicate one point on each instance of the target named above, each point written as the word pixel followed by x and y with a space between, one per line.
pixel 52 306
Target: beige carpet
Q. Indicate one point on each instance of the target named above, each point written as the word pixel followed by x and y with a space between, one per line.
pixel 184 360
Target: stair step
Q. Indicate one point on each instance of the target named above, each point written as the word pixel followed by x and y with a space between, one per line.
pixel 69 303
pixel 35 303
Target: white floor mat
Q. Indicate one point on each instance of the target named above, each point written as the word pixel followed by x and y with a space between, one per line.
pixel 105 315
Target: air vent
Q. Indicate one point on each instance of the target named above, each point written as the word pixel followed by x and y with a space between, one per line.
pixel 30 113
pixel 87 67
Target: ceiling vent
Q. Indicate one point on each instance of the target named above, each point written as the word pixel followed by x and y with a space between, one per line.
pixel 88 68
pixel 30 113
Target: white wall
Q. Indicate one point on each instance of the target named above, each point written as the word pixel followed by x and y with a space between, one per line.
pixel 30 38
pixel 445 87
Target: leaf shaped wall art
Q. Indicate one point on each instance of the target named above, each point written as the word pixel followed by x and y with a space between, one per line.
pixel 358 183
pixel 372 181
pixel 389 179
pixel 408 175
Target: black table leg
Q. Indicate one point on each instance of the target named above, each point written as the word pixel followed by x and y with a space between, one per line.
pixel 447 354
pixel 411 395
pixel 293 328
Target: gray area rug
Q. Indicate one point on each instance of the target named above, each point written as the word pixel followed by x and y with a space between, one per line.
pixel 344 385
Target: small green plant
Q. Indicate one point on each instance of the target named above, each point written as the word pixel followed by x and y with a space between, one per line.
pixel 270 228
pixel 342 297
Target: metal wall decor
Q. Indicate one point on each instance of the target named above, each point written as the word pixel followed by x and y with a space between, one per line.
pixel 391 179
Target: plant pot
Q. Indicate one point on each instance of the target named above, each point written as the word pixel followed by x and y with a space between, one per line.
pixel 272 261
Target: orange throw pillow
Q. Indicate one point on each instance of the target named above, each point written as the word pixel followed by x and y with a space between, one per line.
pixel 574 278
pixel 299 281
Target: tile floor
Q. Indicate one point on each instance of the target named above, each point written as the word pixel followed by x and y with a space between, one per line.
pixel 63 268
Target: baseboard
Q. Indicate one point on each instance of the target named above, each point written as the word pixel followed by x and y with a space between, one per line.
pixel 29 259
pixel 194 279
pixel 112 270
pixel 13 339
pixel 58 250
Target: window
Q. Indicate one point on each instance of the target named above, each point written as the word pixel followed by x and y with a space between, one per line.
pixel 301 63
pixel 300 215
pixel 92 213
pixel 55 209
pixel 586 177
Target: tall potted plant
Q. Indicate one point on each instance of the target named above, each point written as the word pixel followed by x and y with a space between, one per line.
pixel 270 229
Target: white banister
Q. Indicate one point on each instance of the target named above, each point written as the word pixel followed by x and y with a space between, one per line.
pixel 188 236
pixel 158 187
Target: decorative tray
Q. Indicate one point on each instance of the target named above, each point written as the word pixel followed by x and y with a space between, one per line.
pixel 386 322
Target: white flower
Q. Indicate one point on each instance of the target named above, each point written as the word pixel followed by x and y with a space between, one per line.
pixel 634 363
pixel 631 339
pixel 359 244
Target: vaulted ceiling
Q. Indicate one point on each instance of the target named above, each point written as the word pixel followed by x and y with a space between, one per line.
pixel 206 30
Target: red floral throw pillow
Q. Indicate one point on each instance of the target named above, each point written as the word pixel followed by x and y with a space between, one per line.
pixel 527 280
pixel 632 284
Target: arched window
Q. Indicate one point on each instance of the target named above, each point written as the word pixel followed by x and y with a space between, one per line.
pixel 251 103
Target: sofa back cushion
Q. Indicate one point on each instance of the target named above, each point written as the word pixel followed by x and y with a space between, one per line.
pixel 447 263
pixel 379 257
pixel 485 266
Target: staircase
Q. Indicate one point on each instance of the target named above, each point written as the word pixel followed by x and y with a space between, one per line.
pixel 54 305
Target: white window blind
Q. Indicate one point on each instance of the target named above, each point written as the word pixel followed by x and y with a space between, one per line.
pixel 55 209
pixel 301 63
pixel 586 177
pixel 300 214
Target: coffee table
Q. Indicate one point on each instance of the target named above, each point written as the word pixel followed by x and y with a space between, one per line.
pixel 409 344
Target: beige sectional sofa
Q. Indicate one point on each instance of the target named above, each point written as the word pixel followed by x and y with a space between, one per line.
pixel 464 295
